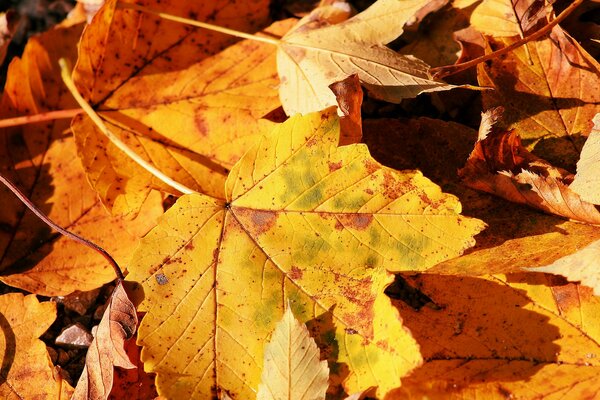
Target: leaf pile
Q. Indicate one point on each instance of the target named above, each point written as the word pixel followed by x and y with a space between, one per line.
pixel 307 212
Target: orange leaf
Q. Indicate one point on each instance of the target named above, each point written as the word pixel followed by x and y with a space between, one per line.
pixel 107 349
pixel 158 86
pixel 41 160
pixel 349 96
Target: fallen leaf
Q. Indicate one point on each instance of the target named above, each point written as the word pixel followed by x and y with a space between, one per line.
pixel 133 384
pixel 542 85
pixel 516 235
pixel 500 165
pixel 586 182
pixel 306 221
pixel 349 96
pixel 309 60
pixel 539 341
pixel 107 349
pixel 41 160
pixel 581 266
pixel 27 372
pixel 162 89
pixel 291 367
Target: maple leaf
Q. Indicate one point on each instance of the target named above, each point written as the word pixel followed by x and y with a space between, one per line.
pixel 500 165
pixel 540 341
pixel 516 235
pixel 309 59
pixel 304 220
pixel 158 86
pixel 41 160
pixel 27 372
pixel 107 349
pixel 291 368
pixel 542 84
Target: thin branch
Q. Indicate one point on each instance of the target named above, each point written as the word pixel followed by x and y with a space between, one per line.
pixel 204 25
pixel 441 72
pixel 66 76
pixel 41 117
pixel 61 230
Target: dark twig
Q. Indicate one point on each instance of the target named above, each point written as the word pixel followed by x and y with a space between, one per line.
pixel 440 72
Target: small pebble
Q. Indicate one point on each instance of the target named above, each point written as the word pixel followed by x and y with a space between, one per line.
pixel 74 336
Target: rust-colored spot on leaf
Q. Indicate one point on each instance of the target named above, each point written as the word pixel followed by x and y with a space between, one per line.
pixel 334 166
pixel 355 221
pixel 296 273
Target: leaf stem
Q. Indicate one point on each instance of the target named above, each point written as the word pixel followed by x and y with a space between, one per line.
pixel 199 24
pixel 61 230
pixel 41 117
pixel 441 72
pixel 66 76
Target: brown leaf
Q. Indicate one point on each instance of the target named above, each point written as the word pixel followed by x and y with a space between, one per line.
pixel 133 384
pixel 349 96
pixel 500 165
pixel 107 349
pixel 543 85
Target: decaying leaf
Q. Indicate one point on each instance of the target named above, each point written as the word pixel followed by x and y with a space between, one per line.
pixel 158 86
pixel 582 266
pixel 107 349
pixel 540 341
pixel 135 383
pixel 304 221
pixel 27 372
pixel 586 182
pixel 41 160
pixel 500 165
pixel 349 96
pixel 310 58
pixel 291 368
pixel 543 85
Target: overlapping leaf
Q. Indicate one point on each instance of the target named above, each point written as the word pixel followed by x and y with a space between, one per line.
pixel 41 159
pixel 540 341
pixel 310 58
pixel 292 369
pixel 304 221
pixel 107 350
pixel 586 182
pixel 544 84
pixel 157 86
pixel 27 372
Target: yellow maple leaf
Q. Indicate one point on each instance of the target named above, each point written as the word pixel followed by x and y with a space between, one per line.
pixel 304 221
pixel 27 372
pixel 292 369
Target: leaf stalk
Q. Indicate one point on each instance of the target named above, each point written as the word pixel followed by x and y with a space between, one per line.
pixel 66 76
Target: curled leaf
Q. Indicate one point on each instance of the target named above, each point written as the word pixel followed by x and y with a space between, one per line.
pixel 107 349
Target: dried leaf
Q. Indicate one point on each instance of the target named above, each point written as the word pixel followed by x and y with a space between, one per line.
pixel 581 266
pixel 107 349
pixel 291 368
pixel 133 384
pixel 543 85
pixel 586 182
pixel 309 60
pixel 27 372
pixel 305 221
pixel 540 341
pixel 349 96
pixel 41 160
pixel 500 165
pixel 158 86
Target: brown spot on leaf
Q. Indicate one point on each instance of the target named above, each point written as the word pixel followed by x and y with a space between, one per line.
pixel 355 221
pixel 256 222
pixel 201 123
pixel 296 273
pixel 334 166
